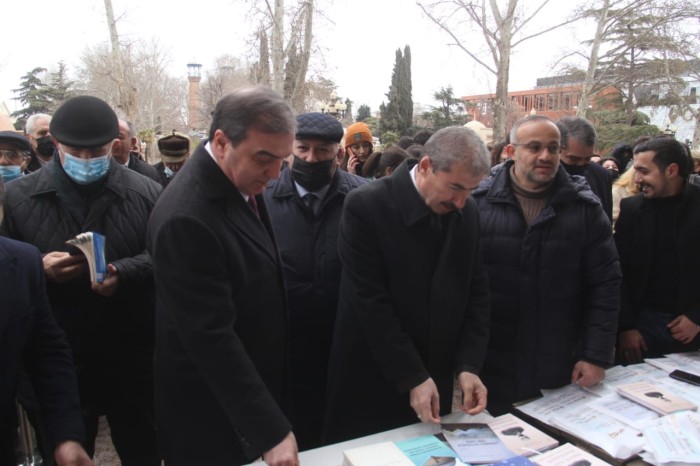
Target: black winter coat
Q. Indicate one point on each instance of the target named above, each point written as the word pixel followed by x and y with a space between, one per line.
pixel 554 286
pixel 634 235
pixel 413 304
pixel 106 334
pixel 308 245
pixel 221 321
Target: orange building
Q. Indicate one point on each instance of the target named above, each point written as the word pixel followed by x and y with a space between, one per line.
pixel 554 101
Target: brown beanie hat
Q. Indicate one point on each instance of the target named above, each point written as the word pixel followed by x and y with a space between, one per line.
pixel 358 132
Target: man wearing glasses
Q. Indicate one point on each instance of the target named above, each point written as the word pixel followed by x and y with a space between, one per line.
pixel 553 271
pixel 14 155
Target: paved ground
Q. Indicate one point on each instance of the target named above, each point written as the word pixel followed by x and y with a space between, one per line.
pixel 104 450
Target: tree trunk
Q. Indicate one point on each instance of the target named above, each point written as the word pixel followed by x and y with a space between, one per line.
pixel 278 47
pixel 127 98
pixel 297 97
pixel 586 92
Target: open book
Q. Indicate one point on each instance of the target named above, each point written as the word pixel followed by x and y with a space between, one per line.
pixel 92 245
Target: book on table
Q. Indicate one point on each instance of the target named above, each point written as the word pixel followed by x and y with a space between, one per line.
pixel 92 246
pixel 520 437
pixel 426 450
pixel 476 443
pixel 655 398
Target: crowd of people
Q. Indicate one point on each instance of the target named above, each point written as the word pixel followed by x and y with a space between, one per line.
pixel 285 284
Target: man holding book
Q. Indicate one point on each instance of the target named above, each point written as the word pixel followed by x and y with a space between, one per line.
pixel 110 324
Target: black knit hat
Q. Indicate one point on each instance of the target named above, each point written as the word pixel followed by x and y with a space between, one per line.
pixel 15 138
pixel 84 121
pixel 320 126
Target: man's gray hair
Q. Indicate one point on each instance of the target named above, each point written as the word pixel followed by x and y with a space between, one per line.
pixel 576 128
pixel 30 126
pixel 526 119
pixel 457 144
pixel 256 107
pixel 132 128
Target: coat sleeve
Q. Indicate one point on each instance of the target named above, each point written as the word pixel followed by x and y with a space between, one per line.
pixel 474 335
pixel 602 278
pixel 366 290
pixel 49 364
pixel 623 241
pixel 195 289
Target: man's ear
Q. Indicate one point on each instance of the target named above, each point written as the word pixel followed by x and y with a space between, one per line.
pixel 341 153
pixel 425 164
pixel 218 144
pixel 672 170
pixel 510 151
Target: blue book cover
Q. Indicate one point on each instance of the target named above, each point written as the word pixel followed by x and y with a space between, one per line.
pixel 428 451
pixel 98 243
pixel 92 246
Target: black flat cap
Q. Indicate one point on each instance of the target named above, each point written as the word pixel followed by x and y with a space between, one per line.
pixel 84 121
pixel 15 138
pixel 320 126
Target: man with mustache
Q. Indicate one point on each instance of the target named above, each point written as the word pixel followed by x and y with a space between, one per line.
pixel 553 271
pixel 413 305
pixel 656 234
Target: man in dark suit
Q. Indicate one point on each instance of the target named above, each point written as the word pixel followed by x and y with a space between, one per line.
pixel 221 317
pixel 656 236
pixel 414 304
pixel 32 338
pixel 305 204
pixel 121 152
pixel 578 141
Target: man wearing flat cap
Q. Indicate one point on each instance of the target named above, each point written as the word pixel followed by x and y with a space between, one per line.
pixel 14 155
pixel 174 149
pixel 305 203
pixel 110 324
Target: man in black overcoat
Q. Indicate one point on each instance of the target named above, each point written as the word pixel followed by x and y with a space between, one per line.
pixel 221 316
pixel 414 304
pixel 33 340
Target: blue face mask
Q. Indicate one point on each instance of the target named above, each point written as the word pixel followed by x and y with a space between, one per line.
pixel 168 172
pixel 10 172
pixel 85 171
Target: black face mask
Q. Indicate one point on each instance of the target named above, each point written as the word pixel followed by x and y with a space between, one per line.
pixel 45 147
pixel 312 176
pixel 575 169
pixel 614 174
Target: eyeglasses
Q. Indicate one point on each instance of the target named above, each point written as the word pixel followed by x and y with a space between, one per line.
pixel 13 156
pixel 537 147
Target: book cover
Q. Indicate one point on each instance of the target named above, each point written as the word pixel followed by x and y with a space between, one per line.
pixel 475 443
pixel 428 450
pixel 92 245
pixel 520 437
pixel 378 454
pixel 567 455
pixel 654 397
pixel 514 461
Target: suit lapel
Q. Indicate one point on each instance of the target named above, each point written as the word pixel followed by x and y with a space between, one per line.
pixel 237 212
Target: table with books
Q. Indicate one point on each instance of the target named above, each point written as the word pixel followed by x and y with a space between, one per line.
pixel 638 415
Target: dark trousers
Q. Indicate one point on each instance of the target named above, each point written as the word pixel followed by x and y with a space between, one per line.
pixel 127 403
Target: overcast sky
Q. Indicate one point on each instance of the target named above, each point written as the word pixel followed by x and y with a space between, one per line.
pixel 357 40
